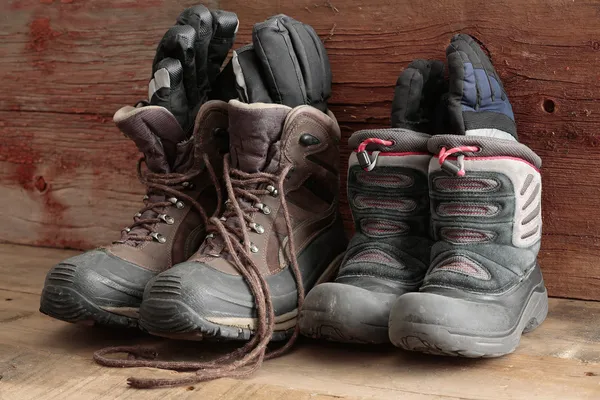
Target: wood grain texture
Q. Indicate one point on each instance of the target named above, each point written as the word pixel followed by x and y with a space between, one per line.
pixel 42 358
pixel 67 175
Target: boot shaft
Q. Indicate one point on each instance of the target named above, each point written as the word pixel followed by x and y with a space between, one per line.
pixel 389 199
pixel 486 211
pixel 267 141
pixel 392 198
pixel 180 227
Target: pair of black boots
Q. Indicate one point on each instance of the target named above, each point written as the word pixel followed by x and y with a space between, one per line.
pixel 447 212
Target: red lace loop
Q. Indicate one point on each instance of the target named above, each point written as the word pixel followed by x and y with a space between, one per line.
pixel 363 145
pixel 444 154
pixel 364 159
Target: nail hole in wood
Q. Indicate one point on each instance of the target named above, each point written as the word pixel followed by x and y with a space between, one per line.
pixel 549 106
pixel 40 184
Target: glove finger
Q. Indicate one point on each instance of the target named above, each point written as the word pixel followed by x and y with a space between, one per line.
pixel 200 20
pixel 225 26
pixel 249 79
pixel 313 61
pixel 178 43
pixel 456 87
pixel 275 52
pixel 476 90
pixel 466 59
pixel 294 62
pixel 166 90
pixel 407 97
pixel 417 96
pixel 488 67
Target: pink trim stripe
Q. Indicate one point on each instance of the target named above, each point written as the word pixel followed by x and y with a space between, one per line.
pixel 498 158
pixel 409 153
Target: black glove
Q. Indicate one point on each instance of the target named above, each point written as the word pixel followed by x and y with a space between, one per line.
pixel 188 62
pixel 286 64
pixel 477 102
pixel 418 98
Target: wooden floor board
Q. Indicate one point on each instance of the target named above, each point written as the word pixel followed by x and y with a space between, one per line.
pixel 41 358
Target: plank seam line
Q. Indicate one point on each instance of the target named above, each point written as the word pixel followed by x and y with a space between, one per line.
pixel 57 112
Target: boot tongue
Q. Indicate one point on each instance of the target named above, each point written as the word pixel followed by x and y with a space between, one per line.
pixel 155 132
pixel 254 131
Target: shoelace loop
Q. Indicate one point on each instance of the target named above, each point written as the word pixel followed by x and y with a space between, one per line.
pixel 448 166
pixel 246 360
pixel 366 161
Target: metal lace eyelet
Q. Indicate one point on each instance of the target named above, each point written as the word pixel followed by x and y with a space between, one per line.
pixel 176 203
pixel 138 215
pixel 188 185
pixel 158 237
pixel 146 197
pixel 167 219
pixel 210 236
pixel 127 229
pixel 271 189
pixel 265 209
pixel 223 219
pixel 257 228
pixel 253 248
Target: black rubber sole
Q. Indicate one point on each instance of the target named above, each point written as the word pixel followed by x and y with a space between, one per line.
pixel 344 313
pixel 440 340
pixel 173 318
pixel 66 304
pixel 319 325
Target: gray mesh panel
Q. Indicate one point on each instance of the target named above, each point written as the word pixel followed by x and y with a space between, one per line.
pixel 465 184
pixel 374 256
pixel 464 266
pixel 466 236
pixel 382 228
pixel 383 179
pixel 468 209
pixel 397 204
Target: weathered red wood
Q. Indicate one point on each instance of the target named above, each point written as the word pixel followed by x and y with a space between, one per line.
pixel 67 175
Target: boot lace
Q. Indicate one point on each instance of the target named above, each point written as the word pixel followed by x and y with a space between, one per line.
pixel 245 191
pixel 368 161
pixel 453 168
pixel 168 189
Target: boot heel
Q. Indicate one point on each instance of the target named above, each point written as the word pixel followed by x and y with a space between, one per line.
pixel 539 312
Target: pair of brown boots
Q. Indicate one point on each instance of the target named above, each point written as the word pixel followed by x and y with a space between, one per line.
pixel 241 212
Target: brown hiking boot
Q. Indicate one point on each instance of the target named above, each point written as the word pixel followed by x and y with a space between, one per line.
pixel 292 192
pixel 106 285
pixel 182 137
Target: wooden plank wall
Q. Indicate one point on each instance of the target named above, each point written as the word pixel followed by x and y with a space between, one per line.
pixel 67 175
